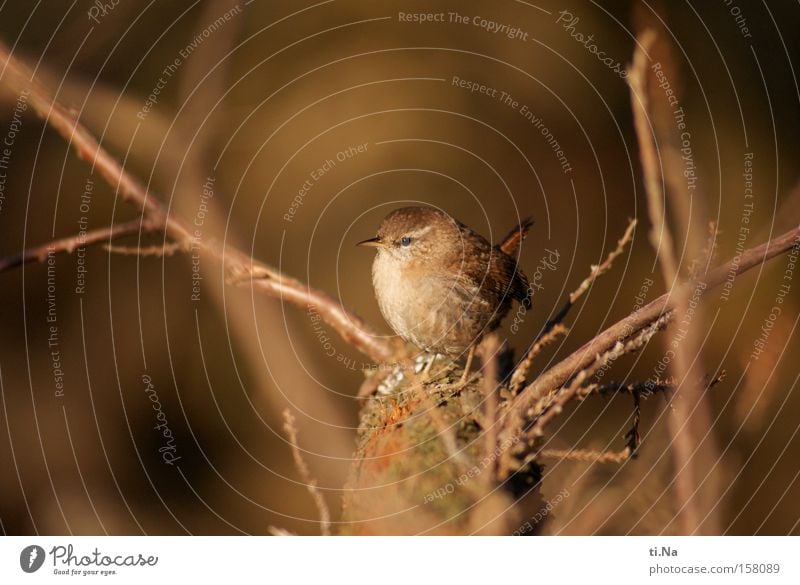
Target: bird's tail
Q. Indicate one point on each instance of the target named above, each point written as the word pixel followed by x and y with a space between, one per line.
pixel 510 244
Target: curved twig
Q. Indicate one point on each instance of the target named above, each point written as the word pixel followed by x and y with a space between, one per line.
pixel 240 268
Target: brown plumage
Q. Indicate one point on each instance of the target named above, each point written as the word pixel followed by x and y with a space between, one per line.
pixel 440 285
pixel 510 244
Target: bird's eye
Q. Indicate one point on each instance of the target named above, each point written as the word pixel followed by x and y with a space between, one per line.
pixel 406 241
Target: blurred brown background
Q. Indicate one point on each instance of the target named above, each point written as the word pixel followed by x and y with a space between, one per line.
pixel 254 99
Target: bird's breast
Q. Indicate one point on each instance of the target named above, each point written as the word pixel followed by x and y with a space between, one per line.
pixel 429 310
pixel 399 291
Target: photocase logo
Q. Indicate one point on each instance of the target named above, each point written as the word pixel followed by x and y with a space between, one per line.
pixel 31 558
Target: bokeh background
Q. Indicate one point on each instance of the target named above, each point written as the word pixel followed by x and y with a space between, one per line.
pixel 254 99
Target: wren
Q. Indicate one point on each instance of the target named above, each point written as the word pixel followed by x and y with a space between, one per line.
pixel 440 285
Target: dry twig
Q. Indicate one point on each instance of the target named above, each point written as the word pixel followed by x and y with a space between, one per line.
pixel 72 243
pixel 490 347
pixel 679 418
pixel 144 251
pixel 238 266
pixel 587 455
pixel 605 265
pixel 550 406
pixel 547 334
pixel 521 371
pixel 305 474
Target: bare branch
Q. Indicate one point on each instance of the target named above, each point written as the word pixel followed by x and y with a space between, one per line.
pixel 679 419
pixel 305 473
pixel 660 236
pixel 72 243
pixel 18 77
pixel 547 334
pixel 490 348
pixel 604 266
pixel 587 455
pixel 521 371
pixel 644 389
pixel 551 405
pixel 633 436
pixel 144 251
pixel 637 321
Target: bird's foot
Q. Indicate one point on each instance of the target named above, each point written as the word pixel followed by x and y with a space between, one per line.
pixel 423 368
pixel 465 380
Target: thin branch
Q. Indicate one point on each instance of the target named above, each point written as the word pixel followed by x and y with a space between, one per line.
pixel 594 273
pixel 305 473
pixel 604 266
pixel 145 251
pixel 490 349
pixel 644 389
pixel 660 236
pixel 639 391
pixel 587 455
pixel 637 321
pixel 18 77
pixel 552 405
pixel 70 244
pixel 633 437
pixel 681 427
pixel 521 371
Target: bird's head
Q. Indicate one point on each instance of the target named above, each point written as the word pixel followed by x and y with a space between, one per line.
pixel 418 235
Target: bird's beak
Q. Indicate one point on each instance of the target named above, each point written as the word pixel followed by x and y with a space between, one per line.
pixel 371 243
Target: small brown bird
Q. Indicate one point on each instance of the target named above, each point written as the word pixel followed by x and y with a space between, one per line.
pixel 440 285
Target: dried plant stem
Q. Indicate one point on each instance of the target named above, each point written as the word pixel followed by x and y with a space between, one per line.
pixel 144 251
pixel 305 474
pixel 72 243
pixel 545 337
pixel 549 381
pixel 606 265
pixel 521 371
pixel 587 455
pixel 240 268
pixel 679 418
pixel 644 389
pixel 550 406
pixel 660 235
pixel 490 348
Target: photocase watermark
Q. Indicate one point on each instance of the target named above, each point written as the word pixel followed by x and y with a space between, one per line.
pixel 196 243
pixel 66 562
pixel 169 448
pixel 486 24
pixel 775 312
pixel 83 227
pixel 53 335
pixel 315 175
pixel 569 22
pixel 100 10
pixel 748 207
pixel 326 341
pixel 522 109
pixel 547 262
pixel 172 68
pixel 684 136
pixel 471 473
pixel 738 18
pixel 14 128
pixel 31 558
pixel 529 526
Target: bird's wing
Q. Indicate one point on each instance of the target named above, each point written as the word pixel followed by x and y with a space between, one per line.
pixel 510 244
